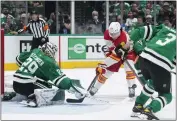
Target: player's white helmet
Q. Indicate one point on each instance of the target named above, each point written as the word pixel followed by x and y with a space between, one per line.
pixel 49 49
pixel 114 30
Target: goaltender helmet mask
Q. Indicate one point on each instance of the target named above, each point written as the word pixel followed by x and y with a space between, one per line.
pixel 49 49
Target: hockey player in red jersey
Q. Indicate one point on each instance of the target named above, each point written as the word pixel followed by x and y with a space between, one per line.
pixel 117 41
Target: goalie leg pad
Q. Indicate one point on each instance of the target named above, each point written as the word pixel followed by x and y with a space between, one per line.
pixel 49 96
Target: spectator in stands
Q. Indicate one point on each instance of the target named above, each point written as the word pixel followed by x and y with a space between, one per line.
pixel 123 24
pixel 140 22
pixel 160 16
pixel 135 8
pixel 148 20
pixel 52 23
pixel 65 27
pixel 167 10
pixel 167 21
pixel 115 8
pixel 130 21
pixel 94 26
pixel 174 19
pixel 147 12
pixel 95 18
pixel 22 22
pixel 9 26
pixel 149 6
pixel 5 14
pixel 35 3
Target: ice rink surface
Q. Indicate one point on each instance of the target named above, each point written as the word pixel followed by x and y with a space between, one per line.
pixel 115 91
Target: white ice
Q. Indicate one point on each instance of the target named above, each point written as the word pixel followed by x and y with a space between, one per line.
pixel 115 91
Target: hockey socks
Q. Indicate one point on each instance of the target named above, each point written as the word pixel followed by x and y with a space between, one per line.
pixel 146 93
pixel 158 103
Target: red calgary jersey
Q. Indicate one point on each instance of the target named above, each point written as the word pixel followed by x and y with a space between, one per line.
pixel 111 44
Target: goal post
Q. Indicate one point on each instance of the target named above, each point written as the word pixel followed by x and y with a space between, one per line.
pixel 2 61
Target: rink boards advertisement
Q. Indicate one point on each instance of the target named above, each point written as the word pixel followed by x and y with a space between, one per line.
pixel 73 51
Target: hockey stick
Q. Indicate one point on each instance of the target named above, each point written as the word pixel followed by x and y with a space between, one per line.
pixel 134 72
pixel 82 99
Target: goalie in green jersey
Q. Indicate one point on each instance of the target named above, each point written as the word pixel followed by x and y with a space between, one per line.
pixel 157 56
pixel 38 72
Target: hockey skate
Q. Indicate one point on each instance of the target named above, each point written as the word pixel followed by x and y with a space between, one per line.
pixel 137 110
pixel 132 91
pixel 31 101
pixel 147 114
pixel 8 96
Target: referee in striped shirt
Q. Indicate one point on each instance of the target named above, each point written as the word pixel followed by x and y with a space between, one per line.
pixel 39 28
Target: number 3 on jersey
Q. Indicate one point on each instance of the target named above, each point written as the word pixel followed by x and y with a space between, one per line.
pixel 171 37
pixel 30 65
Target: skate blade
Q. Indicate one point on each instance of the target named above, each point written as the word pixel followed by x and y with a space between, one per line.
pixel 135 114
pixel 30 104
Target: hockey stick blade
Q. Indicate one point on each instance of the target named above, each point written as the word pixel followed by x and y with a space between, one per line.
pixel 82 99
pixel 90 97
pixel 75 100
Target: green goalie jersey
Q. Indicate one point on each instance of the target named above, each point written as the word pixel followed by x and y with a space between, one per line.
pixel 157 44
pixel 37 64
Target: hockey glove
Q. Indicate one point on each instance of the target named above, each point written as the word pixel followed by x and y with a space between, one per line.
pixel 121 52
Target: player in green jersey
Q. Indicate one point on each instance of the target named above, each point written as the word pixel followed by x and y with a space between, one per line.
pixel 38 72
pixel 140 37
pixel 156 61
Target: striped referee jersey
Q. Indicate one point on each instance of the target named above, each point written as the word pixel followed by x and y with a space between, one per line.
pixel 39 28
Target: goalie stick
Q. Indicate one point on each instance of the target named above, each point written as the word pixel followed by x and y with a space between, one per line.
pixel 78 100
pixel 82 99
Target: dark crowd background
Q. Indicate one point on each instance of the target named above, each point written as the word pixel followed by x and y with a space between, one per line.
pixel 90 16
